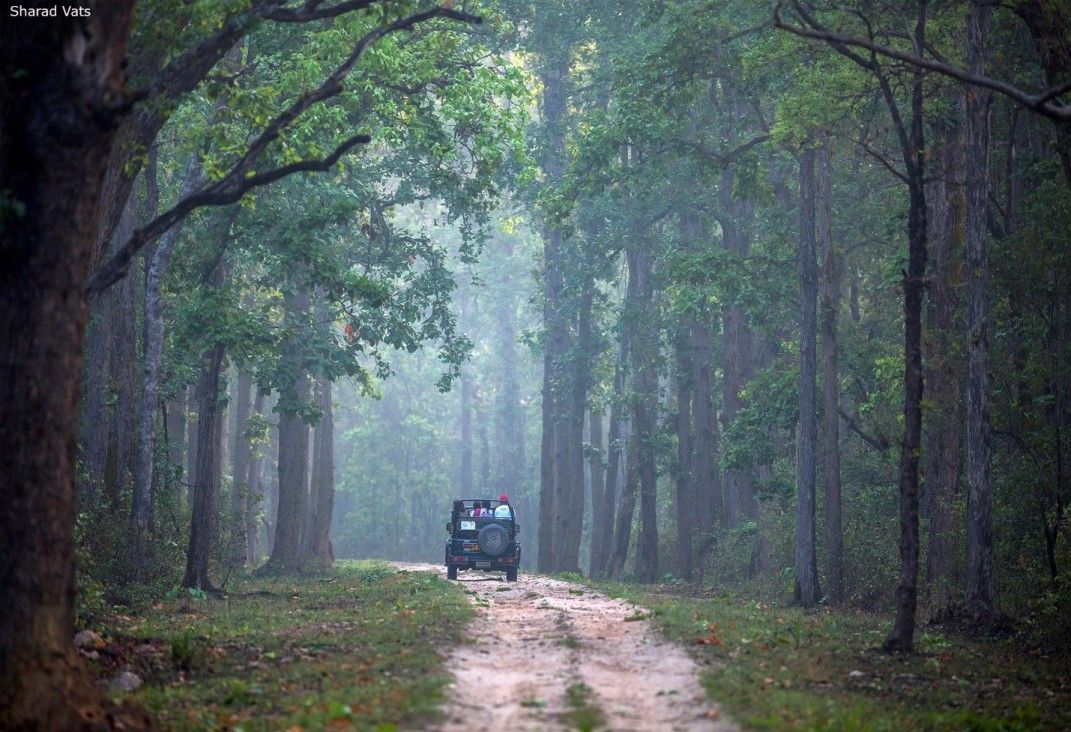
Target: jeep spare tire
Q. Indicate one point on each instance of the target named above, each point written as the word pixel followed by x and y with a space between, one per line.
pixel 493 540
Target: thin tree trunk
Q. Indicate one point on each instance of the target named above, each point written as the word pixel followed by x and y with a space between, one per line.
pixel 254 483
pixel 320 554
pixel 597 471
pixel 242 456
pixel 152 360
pixel 685 499
pixel 603 518
pixel 980 588
pixel 902 636
pixel 829 306
pixel 806 591
pixel 623 524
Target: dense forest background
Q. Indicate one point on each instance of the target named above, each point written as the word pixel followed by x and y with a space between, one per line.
pixel 774 297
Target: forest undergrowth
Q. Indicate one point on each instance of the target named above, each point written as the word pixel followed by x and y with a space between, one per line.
pixel 355 648
pixel 775 667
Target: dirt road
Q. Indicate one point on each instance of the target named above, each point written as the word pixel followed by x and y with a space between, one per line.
pixel 546 654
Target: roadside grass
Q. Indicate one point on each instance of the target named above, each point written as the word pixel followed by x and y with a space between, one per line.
pixel 352 649
pixel 776 668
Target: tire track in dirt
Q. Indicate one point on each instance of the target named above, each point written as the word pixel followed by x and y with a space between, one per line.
pixel 534 639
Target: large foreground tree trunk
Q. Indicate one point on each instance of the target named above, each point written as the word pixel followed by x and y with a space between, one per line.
pixel 55 135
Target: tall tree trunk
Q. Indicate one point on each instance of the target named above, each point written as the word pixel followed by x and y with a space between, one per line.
pixel 509 427
pixel 943 460
pixel 615 565
pixel 554 76
pixel 242 456
pixel 206 492
pixel 271 493
pixel 828 309
pixel 108 408
pixel 152 359
pixel 597 473
pixel 710 501
pixel 465 479
pixel 192 433
pixel 686 498
pixel 570 432
pixel 602 530
pixel 320 554
pixel 902 636
pixel 738 362
pixel 806 591
pixel 57 134
pixel 980 587
pixel 644 411
pixel 293 451
pixel 254 484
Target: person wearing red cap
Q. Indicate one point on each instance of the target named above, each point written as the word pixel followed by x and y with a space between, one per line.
pixel 503 509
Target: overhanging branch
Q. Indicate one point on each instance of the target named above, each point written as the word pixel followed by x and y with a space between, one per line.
pixel 240 179
pixel 1044 103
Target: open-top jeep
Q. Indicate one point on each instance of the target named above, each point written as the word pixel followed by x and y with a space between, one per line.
pixel 483 535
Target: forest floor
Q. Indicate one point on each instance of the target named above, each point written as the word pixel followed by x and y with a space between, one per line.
pixel 375 647
pixel 776 668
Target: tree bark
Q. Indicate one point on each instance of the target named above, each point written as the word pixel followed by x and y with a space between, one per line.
pixel 320 555
pixel 902 636
pixel 943 459
pixel 254 482
pixel 623 524
pixel 806 591
pixel 644 410
pixel 570 432
pixel 206 492
pixel 465 487
pixel 242 456
pixel 57 120
pixel 828 309
pixel 286 554
pixel 554 76
pixel 597 473
pixel 980 586
pixel 602 531
pixel 686 499
pixel 152 360
pixel 738 363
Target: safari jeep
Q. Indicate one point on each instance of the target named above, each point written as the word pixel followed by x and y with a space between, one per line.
pixel 486 543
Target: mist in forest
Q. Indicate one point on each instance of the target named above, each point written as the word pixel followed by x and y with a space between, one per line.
pixel 746 300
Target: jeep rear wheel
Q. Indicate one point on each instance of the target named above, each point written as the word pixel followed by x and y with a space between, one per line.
pixel 511 574
pixel 451 572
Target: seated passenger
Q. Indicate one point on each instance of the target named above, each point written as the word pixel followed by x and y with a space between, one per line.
pixel 503 510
